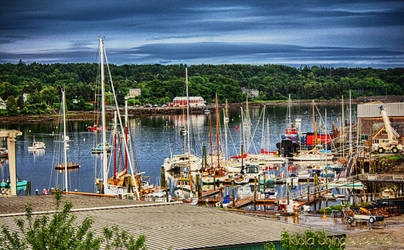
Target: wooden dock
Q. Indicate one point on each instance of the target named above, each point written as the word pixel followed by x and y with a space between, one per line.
pixel 210 193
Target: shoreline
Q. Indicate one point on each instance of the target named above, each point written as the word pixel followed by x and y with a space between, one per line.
pixel 142 111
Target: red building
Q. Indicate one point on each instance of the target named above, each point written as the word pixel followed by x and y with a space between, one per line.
pixel 194 101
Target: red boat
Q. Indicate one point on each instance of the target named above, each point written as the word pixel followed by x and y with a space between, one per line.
pixel 95 128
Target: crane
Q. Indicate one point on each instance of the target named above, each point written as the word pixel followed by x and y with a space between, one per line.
pixel 390 144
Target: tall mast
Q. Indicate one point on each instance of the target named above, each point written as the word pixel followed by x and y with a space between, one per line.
pixel 104 132
pixel 263 129
pixel 242 127
pixel 65 138
pixel 315 125
pixel 350 122
pixel 188 123
pixel 289 103
pixel 247 127
pixel 126 136
pixel 217 133
pixel 115 132
pixel 226 123
pixel 268 141
pixel 211 141
pixel 343 128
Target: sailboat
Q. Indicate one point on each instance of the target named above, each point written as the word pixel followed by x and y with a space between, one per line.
pixel 180 161
pixel 122 183
pixel 66 165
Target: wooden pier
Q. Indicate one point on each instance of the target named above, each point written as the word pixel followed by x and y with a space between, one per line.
pixel 210 193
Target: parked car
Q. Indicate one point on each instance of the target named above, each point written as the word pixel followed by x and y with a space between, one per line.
pixel 148 105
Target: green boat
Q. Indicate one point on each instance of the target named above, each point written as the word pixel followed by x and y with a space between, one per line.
pixel 21 185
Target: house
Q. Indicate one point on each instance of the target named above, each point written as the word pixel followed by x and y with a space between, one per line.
pixel 194 101
pixel 133 93
pixel 252 93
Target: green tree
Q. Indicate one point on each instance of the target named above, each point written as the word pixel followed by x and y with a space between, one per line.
pixel 49 95
pixel 60 231
pixel 11 105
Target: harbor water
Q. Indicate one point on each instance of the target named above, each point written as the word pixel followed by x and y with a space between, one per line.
pixel 153 138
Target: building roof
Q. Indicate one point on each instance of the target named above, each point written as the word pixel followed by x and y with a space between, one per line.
pixel 372 109
pixel 182 226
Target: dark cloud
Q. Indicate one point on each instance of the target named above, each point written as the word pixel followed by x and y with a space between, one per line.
pixel 192 53
pixel 74 25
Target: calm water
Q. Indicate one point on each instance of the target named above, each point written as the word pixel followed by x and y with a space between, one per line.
pixel 154 139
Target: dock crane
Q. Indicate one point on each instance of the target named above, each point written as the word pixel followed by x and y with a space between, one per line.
pixel 388 144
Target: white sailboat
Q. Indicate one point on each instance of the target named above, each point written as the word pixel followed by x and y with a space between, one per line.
pixel 186 160
pixel 65 165
pixel 114 186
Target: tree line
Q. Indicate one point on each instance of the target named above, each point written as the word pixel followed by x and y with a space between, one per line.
pixel 35 88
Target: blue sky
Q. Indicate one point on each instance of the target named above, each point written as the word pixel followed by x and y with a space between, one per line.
pixel 294 32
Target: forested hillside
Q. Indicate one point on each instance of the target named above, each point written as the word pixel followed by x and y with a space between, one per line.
pixel 161 83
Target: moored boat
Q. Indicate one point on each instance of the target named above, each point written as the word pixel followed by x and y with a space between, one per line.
pixel 36 145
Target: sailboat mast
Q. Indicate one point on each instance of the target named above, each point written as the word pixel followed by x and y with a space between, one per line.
pixel 263 130
pixel 343 128
pixel 126 136
pixel 315 125
pixel 65 138
pixel 247 135
pixel 226 126
pixel 268 141
pixel 217 133
pixel 115 132
pixel 103 120
pixel 188 143
pixel 350 122
pixel 211 141
pixel 289 117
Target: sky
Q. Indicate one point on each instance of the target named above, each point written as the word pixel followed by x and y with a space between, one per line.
pixel 338 33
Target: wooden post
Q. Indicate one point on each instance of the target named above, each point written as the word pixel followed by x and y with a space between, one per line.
pixel 28 189
pixel 11 135
pixel 265 184
pixel 198 186
pixel 163 182
pixel 242 156
pixel 255 192
pixel 205 163
pixel 308 190
pixel 259 183
pixel 233 194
